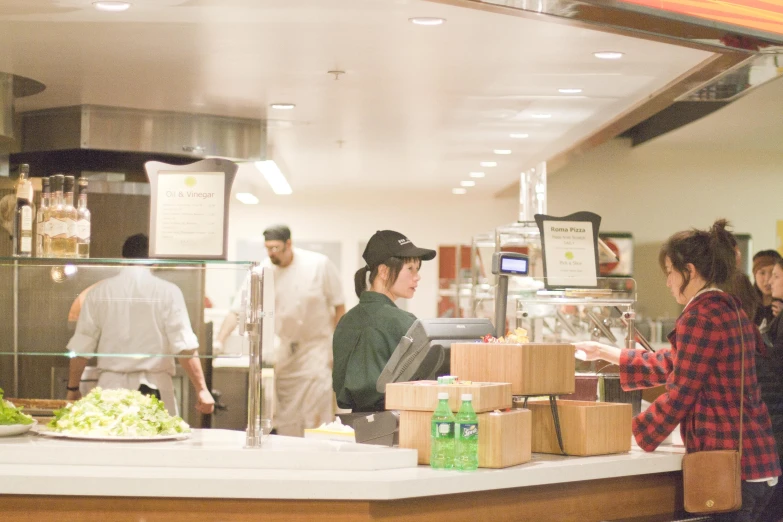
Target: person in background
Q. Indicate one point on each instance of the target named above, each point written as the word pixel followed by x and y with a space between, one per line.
pixel 701 369
pixel 762 270
pixel 136 312
pixel 740 286
pixel 769 367
pixel 308 304
pixel 368 334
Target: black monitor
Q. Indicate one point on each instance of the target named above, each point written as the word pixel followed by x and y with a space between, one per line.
pixel 424 352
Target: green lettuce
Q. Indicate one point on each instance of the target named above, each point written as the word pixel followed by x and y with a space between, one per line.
pixel 10 414
pixel 117 413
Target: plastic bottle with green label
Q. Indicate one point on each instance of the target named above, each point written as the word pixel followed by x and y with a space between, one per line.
pixel 442 438
pixel 466 454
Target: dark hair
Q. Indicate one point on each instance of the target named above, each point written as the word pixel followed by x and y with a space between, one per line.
pixel 774 254
pixel 739 286
pixel 711 252
pixel 277 233
pixel 136 246
pixel 394 264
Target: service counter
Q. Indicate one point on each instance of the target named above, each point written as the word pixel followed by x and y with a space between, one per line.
pixel 212 477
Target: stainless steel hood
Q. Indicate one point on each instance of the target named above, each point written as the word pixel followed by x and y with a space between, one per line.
pixel 12 87
pixel 119 140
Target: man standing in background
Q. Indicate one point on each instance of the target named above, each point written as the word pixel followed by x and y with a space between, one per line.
pixel 308 304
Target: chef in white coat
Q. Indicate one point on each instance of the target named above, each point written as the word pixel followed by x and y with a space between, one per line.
pixel 308 304
pixel 136 312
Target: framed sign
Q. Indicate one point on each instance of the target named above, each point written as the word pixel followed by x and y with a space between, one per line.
pixel 569 249
pixel 189 209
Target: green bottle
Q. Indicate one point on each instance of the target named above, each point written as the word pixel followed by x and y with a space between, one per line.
pixel 467 436
pixel 442 439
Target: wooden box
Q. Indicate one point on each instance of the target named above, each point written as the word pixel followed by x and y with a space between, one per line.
pixel 588 428
pixel 532 369
pixel 504 437
pixel 423 395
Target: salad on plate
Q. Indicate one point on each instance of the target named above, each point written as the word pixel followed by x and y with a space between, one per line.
pixel 10 414
pixel 117 413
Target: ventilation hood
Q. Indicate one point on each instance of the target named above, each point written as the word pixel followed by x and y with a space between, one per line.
pixel 93 138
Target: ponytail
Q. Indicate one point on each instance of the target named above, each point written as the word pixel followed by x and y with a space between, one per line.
pixel 360 280
pixel 723 259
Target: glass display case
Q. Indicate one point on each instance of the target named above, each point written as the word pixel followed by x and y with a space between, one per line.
pixel 134 321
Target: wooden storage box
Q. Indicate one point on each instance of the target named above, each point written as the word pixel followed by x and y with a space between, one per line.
pixel 504 437
pixel 588 428
pixel 423 395
pixel 532 369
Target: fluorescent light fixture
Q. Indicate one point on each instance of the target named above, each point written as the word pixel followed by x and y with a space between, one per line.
pixel 540 116
pixel 114 7
pixel 569 91
pixel 274 177
pixel 427 20
pixel 518 136
pixel 476 174
pixel 609 55
pixel 247 198
pixel 459 191
pixel 468 183
pixel 502 151
pixel 283 106
pixel 489 163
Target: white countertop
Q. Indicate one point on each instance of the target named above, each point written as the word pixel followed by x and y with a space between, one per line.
pixel 213 464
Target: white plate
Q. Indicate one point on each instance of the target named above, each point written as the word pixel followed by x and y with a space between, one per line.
pixel 6 430
pixel 46 432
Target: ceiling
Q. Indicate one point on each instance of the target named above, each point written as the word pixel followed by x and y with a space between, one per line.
pixel 418 107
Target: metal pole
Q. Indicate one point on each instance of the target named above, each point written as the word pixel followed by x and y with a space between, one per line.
pixel 254 331
pixel 501 296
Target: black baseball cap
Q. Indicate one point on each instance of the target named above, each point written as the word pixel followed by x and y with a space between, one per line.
pixel 388 243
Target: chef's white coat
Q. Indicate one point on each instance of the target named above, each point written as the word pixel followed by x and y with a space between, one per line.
pixel 135 312
pixel 306 293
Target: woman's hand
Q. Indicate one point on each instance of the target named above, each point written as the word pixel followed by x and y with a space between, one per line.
pixel 777 306
pixel 594 351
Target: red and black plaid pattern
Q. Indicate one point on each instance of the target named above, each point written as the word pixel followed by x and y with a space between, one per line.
pixel 701 372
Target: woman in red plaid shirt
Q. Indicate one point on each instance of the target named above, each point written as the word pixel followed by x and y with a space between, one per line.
pixel 701 370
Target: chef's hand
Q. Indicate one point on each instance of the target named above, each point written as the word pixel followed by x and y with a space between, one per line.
pixel 73 395
pixel 594 351
pixel 205 403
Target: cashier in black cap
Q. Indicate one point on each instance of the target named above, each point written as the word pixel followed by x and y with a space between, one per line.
pixel 367 335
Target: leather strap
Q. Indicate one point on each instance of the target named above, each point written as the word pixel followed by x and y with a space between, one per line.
pixel 742 377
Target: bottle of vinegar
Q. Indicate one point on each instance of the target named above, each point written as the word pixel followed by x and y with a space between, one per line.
pixel 23 216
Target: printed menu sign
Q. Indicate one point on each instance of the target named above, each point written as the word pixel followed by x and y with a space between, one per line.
pixel 569 249
pixel 190 213
pixel 189 208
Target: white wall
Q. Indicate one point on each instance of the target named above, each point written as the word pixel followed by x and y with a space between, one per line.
pixel 659 188
pixel 428 220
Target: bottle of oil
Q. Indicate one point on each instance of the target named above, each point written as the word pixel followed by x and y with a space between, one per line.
pixel 58 229
pixel 42 241
pixel 23 217
pixel 82 221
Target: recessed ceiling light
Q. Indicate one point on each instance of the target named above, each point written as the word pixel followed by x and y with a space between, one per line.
pixel 489 163
pixel 518 136
pixel 427 20
pixel 569 91
pixel 540 116
pixel 608 55
pixel 468 183
pixel 459 191
pixel 283 106
pixel 502 151
pixel 247 198
pixel 476 174
pixel 114 7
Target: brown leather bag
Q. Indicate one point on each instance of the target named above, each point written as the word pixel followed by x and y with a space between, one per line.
pixel 712 480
